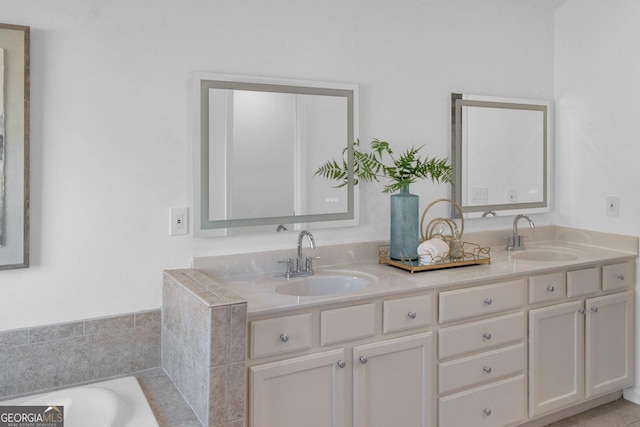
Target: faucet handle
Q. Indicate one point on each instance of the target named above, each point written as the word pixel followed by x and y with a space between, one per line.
pixel 289 262
pixel 309 262
pixel 515 242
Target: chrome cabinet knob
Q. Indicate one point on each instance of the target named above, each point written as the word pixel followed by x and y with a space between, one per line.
pixel 341 363
pixel 594 309
pixel 487 369
pixel 551 288
pixel 363 360
pixel 620 276
pixel 411 314
pixel 487 335
pixel 487 411
pixel 284 337
pixel 488 301
pixel 581 311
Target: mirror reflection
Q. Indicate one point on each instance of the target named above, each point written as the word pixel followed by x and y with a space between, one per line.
pixel 259 143
pixel 499 150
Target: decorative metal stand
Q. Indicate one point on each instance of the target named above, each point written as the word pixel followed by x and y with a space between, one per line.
pixel 460 253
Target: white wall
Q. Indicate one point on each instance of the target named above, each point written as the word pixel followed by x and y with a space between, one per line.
pixel 110 119
pixel 597 84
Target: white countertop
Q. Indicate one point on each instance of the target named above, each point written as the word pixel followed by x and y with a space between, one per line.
pixel 384 279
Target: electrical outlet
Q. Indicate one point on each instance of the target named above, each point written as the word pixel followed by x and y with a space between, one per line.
pixel 179 221
pixel 613 206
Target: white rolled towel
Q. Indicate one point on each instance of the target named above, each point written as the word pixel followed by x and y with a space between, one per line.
pixel 433 247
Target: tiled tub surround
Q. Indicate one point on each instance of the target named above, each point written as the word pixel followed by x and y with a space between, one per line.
pixel 61 355
pixel 254 277
pixel 203 346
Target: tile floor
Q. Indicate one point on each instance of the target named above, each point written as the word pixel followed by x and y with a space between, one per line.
pixel 619 413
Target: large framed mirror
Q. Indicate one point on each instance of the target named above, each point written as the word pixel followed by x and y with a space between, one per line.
pixel 500 154
pixel 257 145
pixel 14 146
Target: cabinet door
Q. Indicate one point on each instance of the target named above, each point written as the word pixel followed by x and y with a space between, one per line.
pixel 392 382
pixel 302 391
pixel 609 343
pixel 556 357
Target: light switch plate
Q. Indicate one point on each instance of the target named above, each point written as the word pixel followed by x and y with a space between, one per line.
pixel 613 206
pixel 179 218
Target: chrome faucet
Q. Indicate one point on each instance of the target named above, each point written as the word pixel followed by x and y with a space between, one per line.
pixel 515 242
pixel 303 266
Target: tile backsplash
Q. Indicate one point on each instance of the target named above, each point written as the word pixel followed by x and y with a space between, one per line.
pixel 60 355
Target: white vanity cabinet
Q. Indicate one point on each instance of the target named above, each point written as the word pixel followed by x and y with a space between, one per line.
pixel 583 348
pixel 556 355
pixel 302 391
pixel 481 367
pixel 609 358
pixel 364 379
pixel 501 353
pixel 392 382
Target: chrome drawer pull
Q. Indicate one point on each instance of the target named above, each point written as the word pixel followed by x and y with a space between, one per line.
pixel 341 364
pixel 488 301
pixel 487 369
pixel 284 337
pixel 550 288
pixel 594 309
pixel 620 276
pixel 411 314
pixel 487 335
pixel 487 411
pixel 363 360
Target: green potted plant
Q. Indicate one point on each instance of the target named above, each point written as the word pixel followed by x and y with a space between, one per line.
pixel 400 171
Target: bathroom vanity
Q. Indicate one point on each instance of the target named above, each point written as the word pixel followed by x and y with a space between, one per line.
pixel 535 336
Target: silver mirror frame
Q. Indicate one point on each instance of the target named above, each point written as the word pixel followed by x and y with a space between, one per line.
pixel 476 211
pixel 14 252
pixel 201 83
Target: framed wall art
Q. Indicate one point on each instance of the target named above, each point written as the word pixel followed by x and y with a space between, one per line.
pixel 14 146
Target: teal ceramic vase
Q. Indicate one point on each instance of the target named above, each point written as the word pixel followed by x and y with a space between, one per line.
pixel 404 225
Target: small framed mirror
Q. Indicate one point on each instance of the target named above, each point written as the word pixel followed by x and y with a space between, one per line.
pixel 14 146
pixel 500 153
pixel 257 145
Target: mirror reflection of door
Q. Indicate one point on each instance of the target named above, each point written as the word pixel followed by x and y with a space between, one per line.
pixel 265 147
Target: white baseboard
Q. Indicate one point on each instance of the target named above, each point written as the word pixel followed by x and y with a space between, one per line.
pixel 632 394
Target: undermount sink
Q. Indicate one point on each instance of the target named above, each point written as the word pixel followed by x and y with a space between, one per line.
pixel 547 253
pixel 323 284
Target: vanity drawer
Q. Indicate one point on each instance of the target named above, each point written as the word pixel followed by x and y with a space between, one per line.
pixel 583 282
pixel 480 335
pixel 479 300
pixel 474 370
pixel 617 276
pixel 406 313
pixel 496 404
pixel 280 335
pixel 547 287
pixel 345 324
